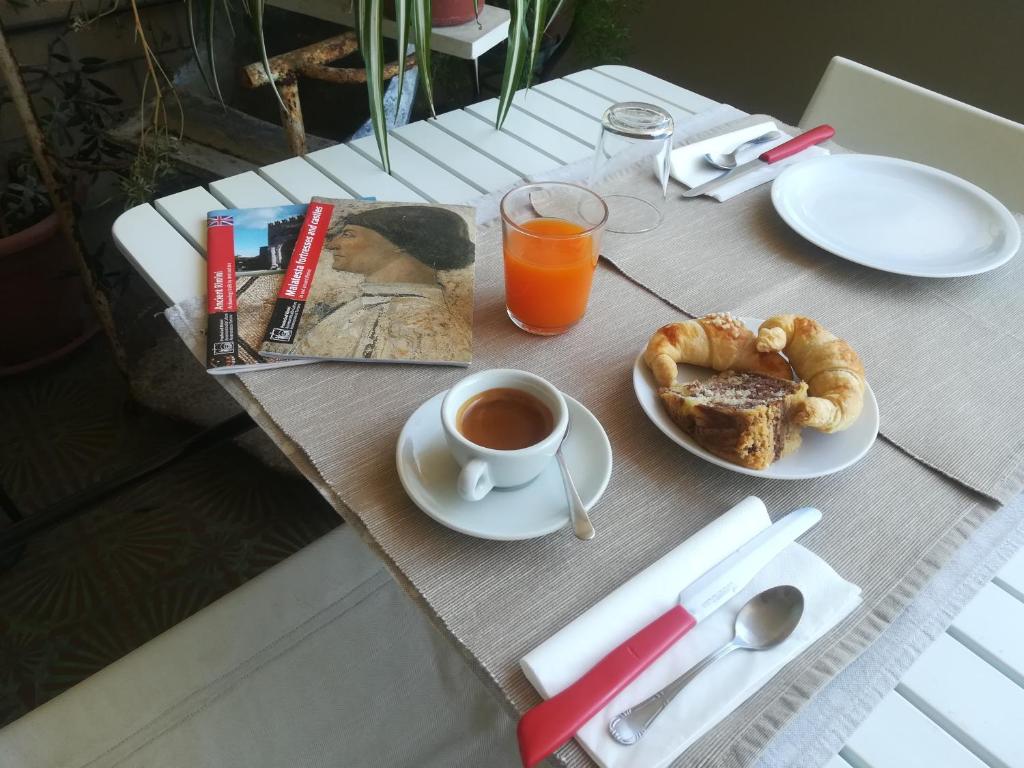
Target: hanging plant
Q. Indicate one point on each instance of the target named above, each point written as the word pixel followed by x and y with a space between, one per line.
pixel 412 19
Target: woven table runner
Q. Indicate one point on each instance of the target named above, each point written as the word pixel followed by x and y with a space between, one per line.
pixel 945 357
pixel 889 521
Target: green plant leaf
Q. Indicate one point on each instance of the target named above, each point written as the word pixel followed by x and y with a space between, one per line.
pixel 537 33
pixel 211 12
pixel 402 22
pixel 371 43
pixel 515 57
pixel 554 14
pixel 256 8
pixel 190 15
pixel 421 27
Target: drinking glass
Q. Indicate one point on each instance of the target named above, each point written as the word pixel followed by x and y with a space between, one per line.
pixel 551 236
pixel 632 132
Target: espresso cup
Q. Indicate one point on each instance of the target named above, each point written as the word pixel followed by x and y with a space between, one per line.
pixel 486 468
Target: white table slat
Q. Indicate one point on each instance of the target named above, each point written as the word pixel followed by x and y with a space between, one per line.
pixel 973 702
pixel 992 625
pixel 187 213
pixel 529 129
pixel 165 259
pixel 360 176
pixel 837 762
pixel 419 172
pixel 572 95
pixel 558 115
pixel 247 190
pixel 464 161
pixel 1011 576
pixel 503 149
pixel 300 180
pixel 688 100
pixel 898 735
pixel 620 91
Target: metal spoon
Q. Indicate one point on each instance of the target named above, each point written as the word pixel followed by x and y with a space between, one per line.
pixel 581 524
pixel 728 161
pixel 766 620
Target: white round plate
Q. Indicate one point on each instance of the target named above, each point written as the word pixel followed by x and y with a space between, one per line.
pixel 819 454
pixel 428 472
pixel 895 215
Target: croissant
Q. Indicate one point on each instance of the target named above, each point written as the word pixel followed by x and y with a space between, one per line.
pixel 716 341
pixel 832 370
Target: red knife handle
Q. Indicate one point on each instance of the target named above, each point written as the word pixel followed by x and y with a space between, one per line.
pixel 551 723
pixel 798 144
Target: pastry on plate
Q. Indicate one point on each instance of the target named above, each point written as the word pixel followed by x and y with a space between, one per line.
pixel 717 341
pixel 832 370
pixel 745 418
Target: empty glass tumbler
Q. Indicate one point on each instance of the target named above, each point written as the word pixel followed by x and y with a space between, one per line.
pixel 633 133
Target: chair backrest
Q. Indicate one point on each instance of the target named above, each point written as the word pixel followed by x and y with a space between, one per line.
pixel 880 114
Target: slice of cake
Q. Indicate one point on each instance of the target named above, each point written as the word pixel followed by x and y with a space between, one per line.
pixel 744 418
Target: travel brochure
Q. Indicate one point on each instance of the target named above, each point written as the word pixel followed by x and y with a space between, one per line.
pixel 347 280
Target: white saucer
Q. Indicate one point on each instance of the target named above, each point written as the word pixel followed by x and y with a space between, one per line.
pixel 428 472
pixel 819 453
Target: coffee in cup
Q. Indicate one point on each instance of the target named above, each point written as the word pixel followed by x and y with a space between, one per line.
pixel 503 427
pixel 504 418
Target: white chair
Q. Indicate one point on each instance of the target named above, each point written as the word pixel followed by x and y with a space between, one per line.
pixel 319 662
pixel 877 113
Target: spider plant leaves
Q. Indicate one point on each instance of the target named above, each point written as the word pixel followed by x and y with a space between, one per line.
pixel 554 14
pixel 421 26
pixel 515 58
pixel 402 23
pixel 371 43
pixel 540 8
pixel 190 14
pixel 256 8
pixel 211 12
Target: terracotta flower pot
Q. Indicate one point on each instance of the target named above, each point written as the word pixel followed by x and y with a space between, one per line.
pixel 448 13
pixel 43 307
pixel 443 13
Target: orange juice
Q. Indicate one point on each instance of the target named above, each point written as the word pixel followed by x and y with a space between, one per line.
pixel 549 265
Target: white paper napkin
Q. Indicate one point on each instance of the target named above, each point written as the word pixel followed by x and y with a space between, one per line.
pixel 721 688
pixel 689 167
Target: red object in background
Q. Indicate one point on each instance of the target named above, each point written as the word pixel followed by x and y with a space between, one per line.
pixel 443 13
pixel 44 309
pixel 448 13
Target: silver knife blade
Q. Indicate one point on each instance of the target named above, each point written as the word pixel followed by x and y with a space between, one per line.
pixel 725 580
pixel 725 178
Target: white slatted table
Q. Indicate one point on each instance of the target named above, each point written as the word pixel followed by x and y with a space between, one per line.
pixel 962 702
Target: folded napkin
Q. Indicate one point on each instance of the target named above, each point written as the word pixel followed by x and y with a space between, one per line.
pixel 723 686
pixel 689 167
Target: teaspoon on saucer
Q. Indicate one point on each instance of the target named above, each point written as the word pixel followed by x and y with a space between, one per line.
pixel 581 524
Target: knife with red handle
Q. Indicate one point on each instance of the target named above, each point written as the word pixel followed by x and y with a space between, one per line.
pixel 769 156
pixel 550 724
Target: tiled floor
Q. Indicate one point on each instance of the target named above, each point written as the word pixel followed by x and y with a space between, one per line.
pixel 88 591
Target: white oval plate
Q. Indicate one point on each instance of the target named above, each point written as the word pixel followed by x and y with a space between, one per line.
pixel 896 215
pixel 428 473
pixel 819 454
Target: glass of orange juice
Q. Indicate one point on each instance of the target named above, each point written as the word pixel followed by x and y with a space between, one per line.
pixel 551 233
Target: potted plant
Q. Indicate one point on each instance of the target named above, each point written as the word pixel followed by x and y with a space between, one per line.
pixel 44 300
pixel 43 304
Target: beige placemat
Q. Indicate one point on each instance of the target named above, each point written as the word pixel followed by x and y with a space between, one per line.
pixel 889 521
pixel 945 357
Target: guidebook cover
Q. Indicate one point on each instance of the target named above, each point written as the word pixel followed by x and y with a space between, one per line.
pixel 247 252
pixel 386 282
